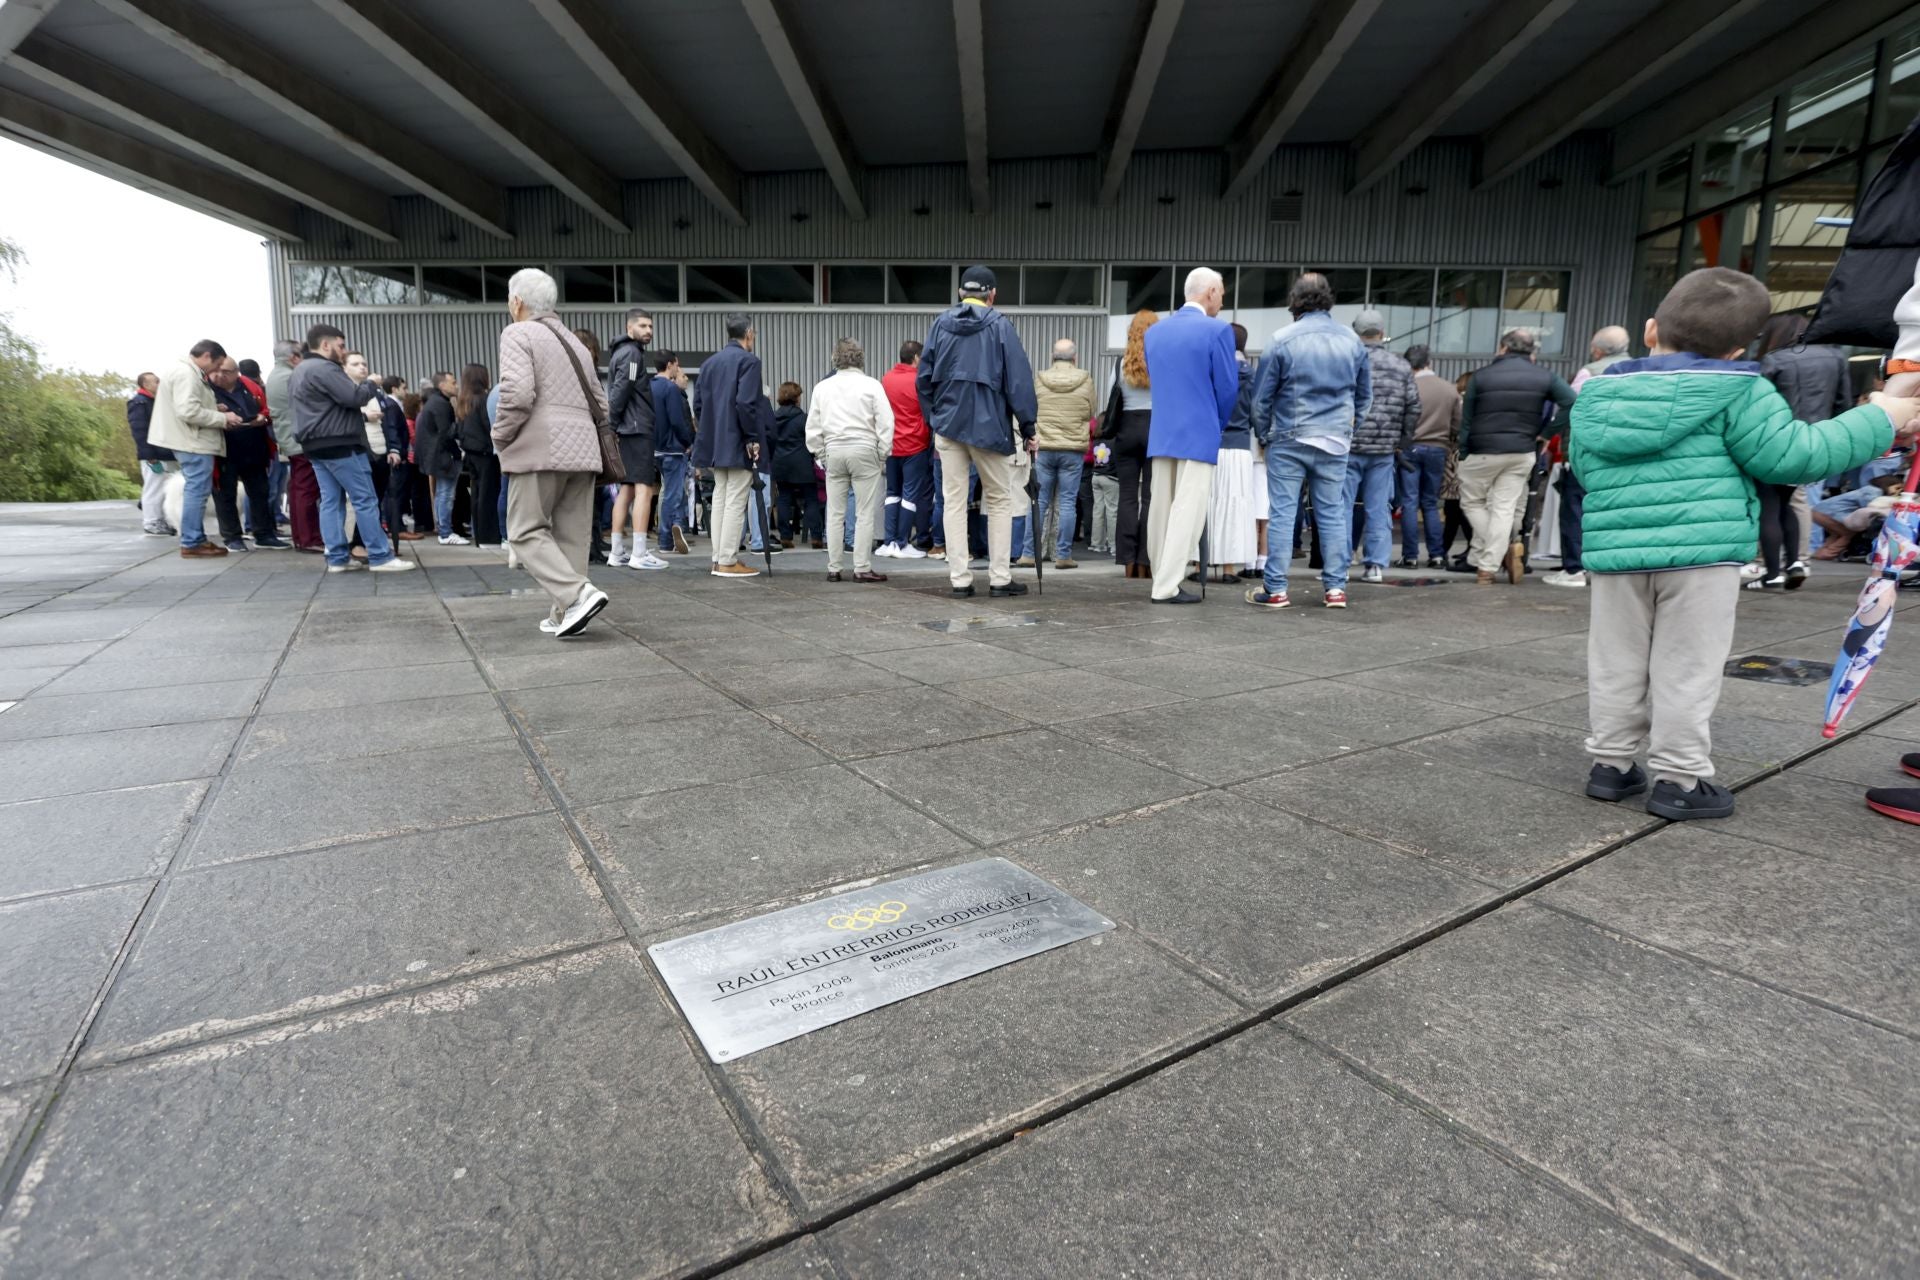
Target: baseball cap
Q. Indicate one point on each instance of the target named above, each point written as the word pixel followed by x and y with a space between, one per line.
pixel 978 280
pixel 1369 321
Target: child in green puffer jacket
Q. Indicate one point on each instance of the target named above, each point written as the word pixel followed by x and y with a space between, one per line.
pixel 1668 449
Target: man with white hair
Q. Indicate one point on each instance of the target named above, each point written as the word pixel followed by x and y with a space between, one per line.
pixel 546 434
pixel 1196 380
pixel 1608 347
pixel 850 429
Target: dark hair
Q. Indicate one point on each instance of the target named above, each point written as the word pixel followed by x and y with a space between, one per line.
pixel 142 379
pixel 910 351
pixel 474 384
pixel 1239 336
pixel 738 323
pixel 320 333
pixel 251 368
pixel 1418 357
pixel 664 357
pixel 1712 311
pixel 591 343
pixel 410 405
pixel 441 376
pixel 393 382
pixel 789 393
pixel 1783 330
pixel 1310 292
pixel 207 347
pixel 638 313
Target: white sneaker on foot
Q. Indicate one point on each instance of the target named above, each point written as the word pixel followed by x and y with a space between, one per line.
pixel 1753 570
pixel 454 540
pixel 1373 573
pixel 590 601
pixel 647 560
pixel 886 549
pixel 549 626
pixel 395 565
pixel 1577 578
pixel 348 567
pixel 907 551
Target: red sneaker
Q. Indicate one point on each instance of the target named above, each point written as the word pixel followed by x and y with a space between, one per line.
pixel 1336 599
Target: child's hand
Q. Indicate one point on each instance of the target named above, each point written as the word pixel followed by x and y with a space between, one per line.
pixel 1903 412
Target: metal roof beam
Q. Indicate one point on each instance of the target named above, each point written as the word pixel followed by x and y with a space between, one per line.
pixel 1146 54
pixel 1331 31
pixel 970 41
pixel 205 134
pixel 477 98
pixel 1469 64
pixel 18 18
pixel 1666 35
pixel 141 164
pixel 602 46
pixel 211 41
pixel 800 76
pixel 1761 71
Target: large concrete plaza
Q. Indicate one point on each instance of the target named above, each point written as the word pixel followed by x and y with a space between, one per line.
pixel 324 904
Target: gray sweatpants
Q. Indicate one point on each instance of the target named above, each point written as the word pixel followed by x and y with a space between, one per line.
pixel 1656 648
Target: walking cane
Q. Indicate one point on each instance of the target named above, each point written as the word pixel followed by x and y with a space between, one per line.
pixel 1033 508
pixel 1205 560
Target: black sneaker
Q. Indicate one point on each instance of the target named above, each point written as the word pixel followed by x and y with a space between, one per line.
pixel 1902 803
pixel 1607 783
pixel 1910 763
pixel 238 544
pixel 1011 589
pixel 1706 800
pixel 963 591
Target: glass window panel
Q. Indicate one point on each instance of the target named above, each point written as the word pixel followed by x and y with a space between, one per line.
pixel 451 284
pixel 1467 311
pixel 1006 279
pixel 1903 94
pixel 1667 189
pixel 1656 267
pixel 1061 287
pixel 1227 273
pixel 653 282
pixel 925 285
pixel 1727 238
pixel 1733 159
pixel 1349 291
pixel 1802 252
pixel 718 282
pixel 1404 298
pixel 854 284
pixel 589 283
pixel 783 282
pixel 1827 116
pixel 317 284
pixel 1537 300
pixel 496 279
pixel 1262 302
pixel 1133 288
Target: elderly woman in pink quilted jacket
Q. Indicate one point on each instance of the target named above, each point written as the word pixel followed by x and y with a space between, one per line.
pixel 544 432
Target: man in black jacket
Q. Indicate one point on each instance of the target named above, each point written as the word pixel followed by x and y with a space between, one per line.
pixel 327 421
pixel 249 454
pixel 154 461
pixel 1508 409
pixel 630 406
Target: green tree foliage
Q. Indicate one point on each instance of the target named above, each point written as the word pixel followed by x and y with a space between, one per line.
pixel 63 435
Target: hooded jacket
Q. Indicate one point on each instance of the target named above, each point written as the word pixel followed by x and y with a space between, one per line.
pixel 139 418
pixel 629 389
pixel 1668 449
pixel 326 407
pixel 435 452
pixel 974 376
pixel 1063 394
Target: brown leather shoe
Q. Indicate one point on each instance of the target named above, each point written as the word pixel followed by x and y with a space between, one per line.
pixel 205 551
pixel 409 536
pixel 869 577
pixel 833 577
pixel 1483 578
pixel 1515 564
pixel 735 570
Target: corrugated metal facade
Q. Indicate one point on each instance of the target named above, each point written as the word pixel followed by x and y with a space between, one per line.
pixel 1559 214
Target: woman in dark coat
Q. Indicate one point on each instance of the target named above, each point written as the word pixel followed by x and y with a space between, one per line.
pixel 1816 385
pixel 796 489
pixel 436 454
pixel 473 428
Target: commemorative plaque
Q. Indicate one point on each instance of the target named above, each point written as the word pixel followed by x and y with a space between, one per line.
pixel 758 982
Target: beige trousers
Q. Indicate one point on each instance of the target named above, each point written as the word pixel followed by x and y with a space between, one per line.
pixel 1656 648
pixel 1182 493
pixel 1493 498
pixel 862 469
pixel 996 499
pixel 549 524
pixel 732 488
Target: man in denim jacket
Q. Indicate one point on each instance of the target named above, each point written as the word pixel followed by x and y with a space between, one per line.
pixel 1314 383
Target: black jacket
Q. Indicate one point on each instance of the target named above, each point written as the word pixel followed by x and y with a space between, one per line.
pixel 435 451
pixel 248 448
pixel 1814 380
pixel 139 415
pixel 629 389
pixel 1506 406
pixel 326 407
pixel 475 431
pixel 792 464
pixel 1876 267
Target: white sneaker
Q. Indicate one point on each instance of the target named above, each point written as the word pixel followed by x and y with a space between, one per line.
pixel 454 540
pixel 647 560
pixel 395 565
pixel 1577 578
pixel 886 549
pixel 590 601
pixel 549 626
pixel 1373 573
pixel 907 551
pixel 513 558
pixel 1751 570
pixel 620 551
pixel 348 567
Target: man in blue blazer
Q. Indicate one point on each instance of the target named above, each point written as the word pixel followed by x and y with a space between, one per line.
pixel 1195 381
pixel 730 403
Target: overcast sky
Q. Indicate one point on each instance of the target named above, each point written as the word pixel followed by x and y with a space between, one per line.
pixel 117 280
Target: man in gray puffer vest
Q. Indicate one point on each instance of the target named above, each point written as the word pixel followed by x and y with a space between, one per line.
pixel 1377 440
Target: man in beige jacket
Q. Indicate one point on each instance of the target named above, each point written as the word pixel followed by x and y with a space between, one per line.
pixel 187 420
pixel 850 429
pixel 547 440
pixel 1064 393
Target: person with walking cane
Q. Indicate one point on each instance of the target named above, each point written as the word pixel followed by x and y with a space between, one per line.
pixel 731 406
pixel 1196 380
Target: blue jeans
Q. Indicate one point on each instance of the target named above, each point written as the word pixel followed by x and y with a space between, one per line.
pixel 1288 465
pixel 197 470
pixel 1370 478
pixel 500 510
pixel 1056 473
pixel 939 522
pixel 909 489
pixel 1423 469
pixel 344 480
pixel 673 495
pixel 443 506
pixel 277 488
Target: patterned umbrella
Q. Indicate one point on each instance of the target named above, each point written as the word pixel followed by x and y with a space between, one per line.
pixel 1897 548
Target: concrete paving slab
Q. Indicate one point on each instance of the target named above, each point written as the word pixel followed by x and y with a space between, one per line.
pixel 1866 760
pixel 804 1259
pixel 1265 902
pixel 953 663
pixel 1351 1184
pixel 1091 650
pixel 1826 819
pixel 43 627
pixel 1546 755
pixel 1320 648
pixel 16 1108
pixel 997 788
pixel 591 765
pixel 1833 932
pixel 13 657
pixel 1200 675
pixel 1762 1134
pixel 1049 697
pixel 695 852
pixel 371 686
pixel 1500 831
pixel 540 1120
pixel 744 644
pixel 766 684
pixel 276 938
pixel 868 724
pixel 47 846
pixel 1504 693
pixel 362 654
pixel 966 1061
pixel 18 682
pixel 1220 740
pixel 611 707
pixel 278 808
pixel 1375 715
pixel 83 762
pixel 46 715
pixel 583 659
pixel 67 944
pixel 100 675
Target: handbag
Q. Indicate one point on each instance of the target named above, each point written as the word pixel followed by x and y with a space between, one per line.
pixel 1110 419
pixel 613 470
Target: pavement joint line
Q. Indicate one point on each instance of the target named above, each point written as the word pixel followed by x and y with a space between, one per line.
pixel 14 1162
pixel 1489 1145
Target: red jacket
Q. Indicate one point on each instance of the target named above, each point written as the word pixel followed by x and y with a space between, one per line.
pixel 909 425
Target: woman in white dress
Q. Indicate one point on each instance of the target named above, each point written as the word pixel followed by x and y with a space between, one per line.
pixel 1231 535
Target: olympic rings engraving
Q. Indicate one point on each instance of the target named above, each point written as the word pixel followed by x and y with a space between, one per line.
pixel 866 917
